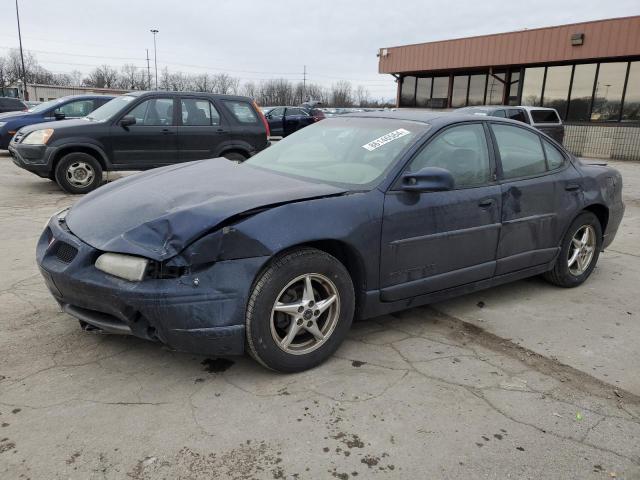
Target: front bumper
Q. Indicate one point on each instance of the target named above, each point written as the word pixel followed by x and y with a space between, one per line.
pixel 34 158
pixel 205 317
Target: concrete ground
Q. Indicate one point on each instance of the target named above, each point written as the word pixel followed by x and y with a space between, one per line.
pixel 521 381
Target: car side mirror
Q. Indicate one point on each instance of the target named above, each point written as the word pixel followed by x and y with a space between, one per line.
pixel 59 115
pixel 127 121
pixel 428 179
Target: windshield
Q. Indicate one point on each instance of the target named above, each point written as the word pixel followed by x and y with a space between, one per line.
pixel 46 105
pixel 110 108
pixel 355 152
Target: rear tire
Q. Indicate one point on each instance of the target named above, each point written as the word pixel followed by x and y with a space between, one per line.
pixel 290 330
pixel 579 252
pixel 78 172
pixel 235 156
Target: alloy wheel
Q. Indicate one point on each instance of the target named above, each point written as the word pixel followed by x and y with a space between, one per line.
pixel 581 250
pixel 305 314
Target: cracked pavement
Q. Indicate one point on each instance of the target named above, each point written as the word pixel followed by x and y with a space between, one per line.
pixel 462 389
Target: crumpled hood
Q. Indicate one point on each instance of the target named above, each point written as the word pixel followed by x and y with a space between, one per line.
pixel 158 213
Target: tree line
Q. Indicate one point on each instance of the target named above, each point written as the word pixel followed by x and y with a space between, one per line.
pixel 276 91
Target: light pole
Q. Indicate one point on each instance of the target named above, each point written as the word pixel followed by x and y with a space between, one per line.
pixel 155 53
pixel 25 95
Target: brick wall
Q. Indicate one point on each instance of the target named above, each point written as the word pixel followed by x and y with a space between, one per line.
pixel 603 141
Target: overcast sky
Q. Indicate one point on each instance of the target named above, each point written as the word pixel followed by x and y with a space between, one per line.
pixel 257 39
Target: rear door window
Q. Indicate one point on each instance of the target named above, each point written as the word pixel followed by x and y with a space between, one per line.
pixel 545 116
pixel 520 151
pixel 555 159
pixel 199 112
pixel 499 113
pixel 242 111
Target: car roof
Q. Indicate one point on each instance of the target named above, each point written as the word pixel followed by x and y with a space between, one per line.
pixel 143 93
pixel 437 119
pixel 527 107
pixel 88 97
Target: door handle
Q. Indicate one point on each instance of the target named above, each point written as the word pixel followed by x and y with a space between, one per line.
pixel 572 187
pixel 220 131
pixel 166 131
pixel 486 203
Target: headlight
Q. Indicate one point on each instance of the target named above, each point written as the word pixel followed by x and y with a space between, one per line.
pixel 38 137
pixel 2 124
pixel 128 267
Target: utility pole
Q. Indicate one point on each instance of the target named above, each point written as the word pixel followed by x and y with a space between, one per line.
pixel 304 84
pixel 155 53
pixel 25 94
pixel 148 70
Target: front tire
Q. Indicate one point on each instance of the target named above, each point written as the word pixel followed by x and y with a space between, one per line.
pixel 78 172
pixel 299 311
pixel 579 252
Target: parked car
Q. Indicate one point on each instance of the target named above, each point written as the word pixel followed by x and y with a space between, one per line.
pixel 139 131
pixel 10 104
pixel 544 119
pixel 284 121
pixel 74 106
pixel 368 213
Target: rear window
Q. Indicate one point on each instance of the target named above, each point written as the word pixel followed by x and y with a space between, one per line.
pixel 545 116
pixel 242 111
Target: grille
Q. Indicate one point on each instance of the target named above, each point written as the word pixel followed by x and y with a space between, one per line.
pixel 65 252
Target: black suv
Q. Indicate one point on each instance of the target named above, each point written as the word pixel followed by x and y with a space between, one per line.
pixel 139 131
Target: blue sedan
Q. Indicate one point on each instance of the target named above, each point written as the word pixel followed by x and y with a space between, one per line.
pixel 358 215
pixel 74 106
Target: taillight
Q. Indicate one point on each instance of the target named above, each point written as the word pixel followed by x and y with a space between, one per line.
pixel 264 119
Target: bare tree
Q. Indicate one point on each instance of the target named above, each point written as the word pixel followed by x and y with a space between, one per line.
pixel 203 83
pixel 102 77
pixel 132 78
pixel 362 96
pixel 341 94
pixel 225 84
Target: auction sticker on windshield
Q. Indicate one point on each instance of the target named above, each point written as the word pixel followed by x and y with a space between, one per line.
pixel 383 140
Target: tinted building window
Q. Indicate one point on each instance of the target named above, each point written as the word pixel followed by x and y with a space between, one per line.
pixel 495 89
pixel 608 94
pixel 440 95
pixel 532 86
pixel 459 92
pixel 513 88
pixel 581 92
pixel 423 92
pixel 477 84
pixel 407 94
pixel 631 108
pixel 556 88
